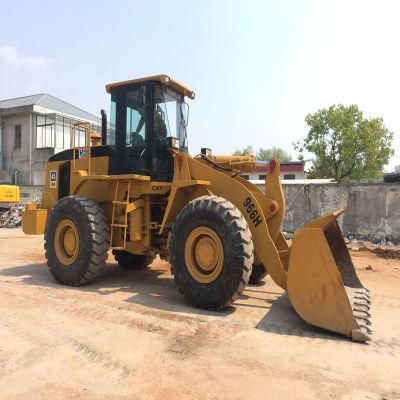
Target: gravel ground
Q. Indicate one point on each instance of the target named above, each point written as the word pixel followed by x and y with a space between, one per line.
pixel 130 335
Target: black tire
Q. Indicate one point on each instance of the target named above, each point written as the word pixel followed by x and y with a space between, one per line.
pixel 132 261
pixel 94 240
pixel 258 272
pixel 227 221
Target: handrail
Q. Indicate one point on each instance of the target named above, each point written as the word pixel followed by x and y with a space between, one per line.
pixel 84 152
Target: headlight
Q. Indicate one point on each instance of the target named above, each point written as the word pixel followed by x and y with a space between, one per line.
pixel 207 152
pixel 173 143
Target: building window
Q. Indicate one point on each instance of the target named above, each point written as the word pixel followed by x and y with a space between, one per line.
pixel 17 136
pixel 262 177
pixel 289 176
pixel 244 176
pixel 63 133
pixel 80 137
pixel 44 131
pixel 56 132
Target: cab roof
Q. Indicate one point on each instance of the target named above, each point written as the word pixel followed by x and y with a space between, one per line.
pixel 164 79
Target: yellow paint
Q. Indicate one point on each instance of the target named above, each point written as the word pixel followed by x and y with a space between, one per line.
pixel 66 242
pixel 204 254
pixel 9 194
pixel 34 219
pixel 164 79
pixel 315 286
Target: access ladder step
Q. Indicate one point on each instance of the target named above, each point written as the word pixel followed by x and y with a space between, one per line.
pixel 125 203
pixel 118 225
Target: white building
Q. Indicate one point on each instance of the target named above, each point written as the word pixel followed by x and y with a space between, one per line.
pixel 289 170
pixel 32 129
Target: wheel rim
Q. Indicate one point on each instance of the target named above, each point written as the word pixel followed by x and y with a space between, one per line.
pixel 204 254
pixel 66 242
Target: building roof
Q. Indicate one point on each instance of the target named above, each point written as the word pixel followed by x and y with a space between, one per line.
pixel 51 102
pixel 297 181
pixel 291 166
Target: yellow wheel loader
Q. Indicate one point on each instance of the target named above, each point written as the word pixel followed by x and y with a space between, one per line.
pixel 141 194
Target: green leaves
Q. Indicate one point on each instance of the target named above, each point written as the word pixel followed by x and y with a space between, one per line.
pixel 244 152
pixel 347 146
pixel 273 152
pixel 265 154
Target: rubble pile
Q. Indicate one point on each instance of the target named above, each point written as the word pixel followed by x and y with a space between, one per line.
pixel 11 218
pixel 382 247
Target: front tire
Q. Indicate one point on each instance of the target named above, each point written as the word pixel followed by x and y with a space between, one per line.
pixel 76 240
pixel 211 252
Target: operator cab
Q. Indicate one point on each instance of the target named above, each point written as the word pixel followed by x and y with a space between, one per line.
pixel 148 117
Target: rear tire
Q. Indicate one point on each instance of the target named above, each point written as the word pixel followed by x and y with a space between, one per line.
pixel 258 272
pixel 211 231
pixel 127 260
pixel 76 240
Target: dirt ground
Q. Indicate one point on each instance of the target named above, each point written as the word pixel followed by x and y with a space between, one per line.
pixel 130 335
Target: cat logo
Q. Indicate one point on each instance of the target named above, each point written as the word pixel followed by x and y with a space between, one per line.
pixel 156 187
pixel 53 179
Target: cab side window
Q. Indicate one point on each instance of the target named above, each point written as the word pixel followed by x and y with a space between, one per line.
pixel 135 120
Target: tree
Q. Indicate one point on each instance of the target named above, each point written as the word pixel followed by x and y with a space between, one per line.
pixel 346 145
pixel 273 152
pixel 247 151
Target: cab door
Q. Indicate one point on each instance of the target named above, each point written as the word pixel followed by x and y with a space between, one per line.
pixel 132 127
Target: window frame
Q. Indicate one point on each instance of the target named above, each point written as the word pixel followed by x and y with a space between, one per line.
pixel 43 128
pixel 17 136
pixel 289 177
pixel 50 128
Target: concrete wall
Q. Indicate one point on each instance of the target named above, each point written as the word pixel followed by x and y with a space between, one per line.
pixel 30 193
pixel 18 159
pixel 373 210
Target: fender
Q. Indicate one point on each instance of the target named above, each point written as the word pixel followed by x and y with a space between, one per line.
pixel 255 208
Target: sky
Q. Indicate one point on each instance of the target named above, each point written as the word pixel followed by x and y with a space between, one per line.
pixel 257 67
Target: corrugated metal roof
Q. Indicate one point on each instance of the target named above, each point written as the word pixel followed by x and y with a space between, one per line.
pixel 51 102
pixel 21 101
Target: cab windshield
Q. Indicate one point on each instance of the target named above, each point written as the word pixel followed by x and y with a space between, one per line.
pixel 171 114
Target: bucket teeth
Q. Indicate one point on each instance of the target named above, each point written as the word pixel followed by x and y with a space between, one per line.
pixel 364 292
pixel 365 328
pixel 366 299
pixel 361 334
pixel 363 306
pixel 364 319
pixel 367 314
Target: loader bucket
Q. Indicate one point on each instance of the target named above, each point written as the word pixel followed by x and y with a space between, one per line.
pixel 322 283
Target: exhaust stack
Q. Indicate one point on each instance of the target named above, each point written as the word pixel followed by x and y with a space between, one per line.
pixel 103 127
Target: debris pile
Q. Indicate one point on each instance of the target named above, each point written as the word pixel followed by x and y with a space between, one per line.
pixel 382 247
pixel 384 250
pixel 11 218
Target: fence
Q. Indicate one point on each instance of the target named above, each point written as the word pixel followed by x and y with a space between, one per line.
pixel 373 210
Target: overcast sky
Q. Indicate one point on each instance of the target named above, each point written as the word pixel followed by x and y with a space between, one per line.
pixel 257 67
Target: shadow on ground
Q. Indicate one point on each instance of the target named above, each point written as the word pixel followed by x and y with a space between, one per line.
pixel 283 319
pixel 155 289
